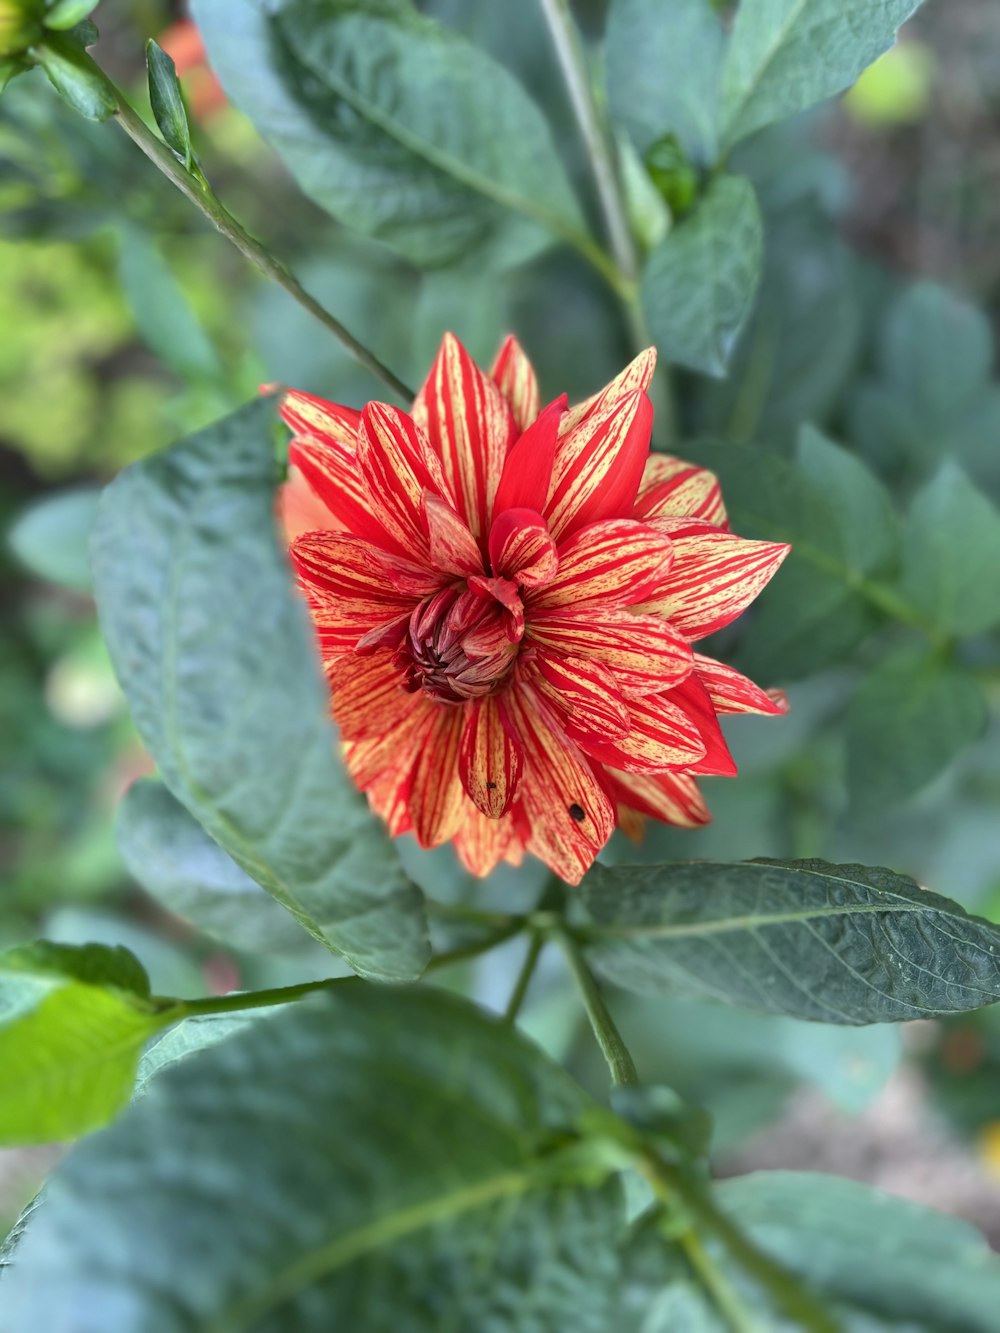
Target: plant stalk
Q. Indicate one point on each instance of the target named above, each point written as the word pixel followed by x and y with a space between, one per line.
pixel 619 1060
pixel 535 947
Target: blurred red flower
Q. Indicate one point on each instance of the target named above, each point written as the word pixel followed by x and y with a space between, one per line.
pixel 182 43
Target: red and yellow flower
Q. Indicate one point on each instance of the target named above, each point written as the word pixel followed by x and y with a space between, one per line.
pixel 506 601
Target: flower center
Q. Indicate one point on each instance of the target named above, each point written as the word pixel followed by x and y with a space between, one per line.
pixel 461 643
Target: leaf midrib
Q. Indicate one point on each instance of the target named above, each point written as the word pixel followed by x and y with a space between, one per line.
pixel 723 925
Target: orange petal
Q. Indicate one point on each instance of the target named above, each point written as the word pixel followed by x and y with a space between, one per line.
pixel 610 564
pixel 527 471
pixel 516 379
pixel 329 423
pixel 661 735
pixel 470 428
pixel 582 695
pixel 638 374
pixel 346 587
pixel 599 464
pixel 300 509
pixel 645 654
pixel 714 577
pixel 482 843
pixel 570 814
pixel 522 549
pixel 436 796
pixel 670 486
pixel 732 692
pixel 453 548
pixel 490 760
pixel 673 798
pixel 368 695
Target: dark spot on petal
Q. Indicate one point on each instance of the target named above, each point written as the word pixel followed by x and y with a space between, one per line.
pixel 577 812
pixel 491 786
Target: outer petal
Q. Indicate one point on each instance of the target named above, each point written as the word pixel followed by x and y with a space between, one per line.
pixel 671 486
pixel 638 374
pixel 608 565
pixel 522 549
pixel 527 472
pixel 368 695
pixel 453 548
pixel 397 466
pixel 582 695
pixel 482 843
pixel 329 423
pixel 491 759
pixel 661 735
pixel 331 471
pixel 346 587
pixel 300 509
pixel 673 798
pixel 598 465
pixel 569 811
pixel 715 576
pixel 470 427
pixel 645 654
pixel 436 796
pixel 692 698
pixel 516 379
pixel 732 692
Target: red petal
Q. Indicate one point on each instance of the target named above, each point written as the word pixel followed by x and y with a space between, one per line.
pixel 329 423
pixel 300 509
pixel 331 471
pixel 643 653
pixel 732 692
pixel 715 576
pixel 610 564
pixel 598 466
pixel 453 548
pixel 660 736
pixel 527 472
pixel 346 587
pixel 397 465
pixel 670 486
pixel 436 796
pixel 693 699
pixel 522 549
pixel 516 379
pixel 583 697
pixel 470 427
pixel 673 798
pixel 638 374
pixel 490 760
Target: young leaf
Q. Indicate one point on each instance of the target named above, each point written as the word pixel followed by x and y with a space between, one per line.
pixel 785 55
pixel 951 554
pixel 50 537
pixel 171 856
pixel 230 700
pixel 663 68
pixel 396 125
pixel 73 1021
pixel 75 77
pixel 837 944
pixel 911 716
pixel 167 102
pixel 350 1159
pixel 699 283
pixel 63 14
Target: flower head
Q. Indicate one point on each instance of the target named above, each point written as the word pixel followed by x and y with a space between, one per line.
pixel 506 600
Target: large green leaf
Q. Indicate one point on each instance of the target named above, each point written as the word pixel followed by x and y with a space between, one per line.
pixel 396 125
pixel 216 656
pixel 951 554
pixel 170 855
pixel 861 505
pixel 73 1022
pixel 376 1160
pixel 785 55
pixel 699 283
pixel 838 944
pixel 911 716
pixel 663 68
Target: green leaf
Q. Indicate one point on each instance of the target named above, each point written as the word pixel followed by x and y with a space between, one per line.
pixel 75 77
pixel 73 1021
pixel 371 1160
pixel 63 14
pixel 699 283
pixel 163 314
pixel 174 859
pixel 663 70
pixel 50 537
pixel 231 702
pixel 951 554
pixel 837 944
pixel 785 55
pixel 870 1254
pixel 911 716
pixel 396 125
pixel 167 102
pixel 861 505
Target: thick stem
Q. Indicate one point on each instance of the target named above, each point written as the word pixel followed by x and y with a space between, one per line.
pixel 524 977
pixel 717 1284
pixel 620 1063
pixel 196 188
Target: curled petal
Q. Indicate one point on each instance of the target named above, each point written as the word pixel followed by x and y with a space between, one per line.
pixel 611 564
pixel 527 472
pixel 660 736
pixel 645 654
pixel 470 428
pixel 672 487
pixel 491 759
pixel 638 374
pixel 732 692
pixel 598 465
pixel 452 546
pixel 515 377
pixel 521 548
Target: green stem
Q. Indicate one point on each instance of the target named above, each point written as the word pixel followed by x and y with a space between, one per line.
pixel 717 1284
pixel 196 188
pixel 620 1063
pixel 473 950
pixel 524 977
pixel 257 999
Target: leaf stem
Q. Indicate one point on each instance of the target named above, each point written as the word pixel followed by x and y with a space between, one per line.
pixel 620 1063
pixel 465 951
pixel 196 188
pixel 255 999
pixel 717 1284
pixel 535 947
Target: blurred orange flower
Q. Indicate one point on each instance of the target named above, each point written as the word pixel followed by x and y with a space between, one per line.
pixel 182 43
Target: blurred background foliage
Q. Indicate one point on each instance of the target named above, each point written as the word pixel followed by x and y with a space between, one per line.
pixel 126 323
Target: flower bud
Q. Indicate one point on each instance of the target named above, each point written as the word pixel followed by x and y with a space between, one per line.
pixel 20 25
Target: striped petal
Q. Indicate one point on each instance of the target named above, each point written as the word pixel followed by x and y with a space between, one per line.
pixel 645 654
pixel 515 377
pixel 453 548
pixel 482 843
pixel 300 509
pixel 490 759
pixel 522 549
pixel 470 427
pixel 527 472
pixel 331 472
pixel 732 692
pixel 347 588
pixel 397 467
pixel 638 374
pixel 329 423
pixel 599 464
pixel 436 796
pixel 673 798
pixel 692 698
pixel 608 565
pixel 661 735
pixel 368 695
pixel 672 487
pixel 581 695
pixel 714 577
pixel 570 814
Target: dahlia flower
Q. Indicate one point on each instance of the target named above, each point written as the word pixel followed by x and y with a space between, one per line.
pixel 506 599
